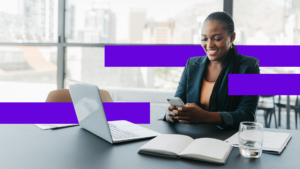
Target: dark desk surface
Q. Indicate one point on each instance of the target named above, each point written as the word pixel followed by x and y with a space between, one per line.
pixel 26 146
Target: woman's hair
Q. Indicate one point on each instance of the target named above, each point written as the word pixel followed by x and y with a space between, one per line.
pixel 232 61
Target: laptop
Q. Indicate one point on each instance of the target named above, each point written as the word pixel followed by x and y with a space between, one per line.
pixel 91 116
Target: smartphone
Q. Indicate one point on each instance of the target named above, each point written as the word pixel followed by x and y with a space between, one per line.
pixel 175 101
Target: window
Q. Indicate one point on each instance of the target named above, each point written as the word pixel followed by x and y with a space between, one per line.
pixel 28 21
pixel 272 22
pixel 137 21
pixel 133 22
pixel 87 64
pixel 32 55
pixel 27 73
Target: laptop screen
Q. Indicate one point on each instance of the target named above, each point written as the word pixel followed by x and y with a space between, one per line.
pixel 89 109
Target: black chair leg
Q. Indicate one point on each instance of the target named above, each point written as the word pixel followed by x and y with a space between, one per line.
pixel 279 116
pixel 296 119
pixel 265 117
pixel 298 111
pixel 270 117
pixel 274 112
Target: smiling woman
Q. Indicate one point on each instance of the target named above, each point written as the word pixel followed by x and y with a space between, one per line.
pixel 204 80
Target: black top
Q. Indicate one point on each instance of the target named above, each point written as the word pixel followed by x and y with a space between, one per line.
pixel 190 84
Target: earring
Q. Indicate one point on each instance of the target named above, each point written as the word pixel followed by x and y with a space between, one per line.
pixel 231 45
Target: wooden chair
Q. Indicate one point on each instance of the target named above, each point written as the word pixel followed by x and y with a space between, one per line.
pixel 63 95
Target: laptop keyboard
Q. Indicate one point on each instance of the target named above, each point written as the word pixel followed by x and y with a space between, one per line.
pixel 120 134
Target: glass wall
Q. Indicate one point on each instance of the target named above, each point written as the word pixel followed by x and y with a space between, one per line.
pixel 31 21
pixel 268 22
pixel 27 74
pixel 30 24
pixel 137 21
pixel 87 64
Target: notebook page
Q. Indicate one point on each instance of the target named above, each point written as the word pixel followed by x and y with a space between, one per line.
pixel 233 140
pixel 271 141
pixel 174 143
pixel 274 141
pixel 208 148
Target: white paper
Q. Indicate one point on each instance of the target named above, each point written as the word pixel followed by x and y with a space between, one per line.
pixel 208 148
pixel 173 143
pixel 271 140
pixel 233 140
pixel 52 126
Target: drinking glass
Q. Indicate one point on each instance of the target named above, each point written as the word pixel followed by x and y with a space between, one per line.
pixel 250 139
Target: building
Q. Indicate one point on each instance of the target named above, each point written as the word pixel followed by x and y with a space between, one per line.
pixel 137 21
pixel 162 32
pixel 35 21
pixel 99 26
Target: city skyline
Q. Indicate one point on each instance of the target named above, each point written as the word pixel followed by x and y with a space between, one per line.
pixel 111 21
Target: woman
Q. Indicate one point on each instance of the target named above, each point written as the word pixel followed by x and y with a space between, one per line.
pixel 204 80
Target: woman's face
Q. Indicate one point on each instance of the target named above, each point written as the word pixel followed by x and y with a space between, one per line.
pixel 215 40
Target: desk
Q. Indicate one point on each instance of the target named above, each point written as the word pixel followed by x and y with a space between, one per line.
pixel 26 146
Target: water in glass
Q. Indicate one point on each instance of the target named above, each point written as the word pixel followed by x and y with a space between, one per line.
pixel 251 139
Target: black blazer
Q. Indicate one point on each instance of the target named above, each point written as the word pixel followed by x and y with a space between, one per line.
pixel 190 84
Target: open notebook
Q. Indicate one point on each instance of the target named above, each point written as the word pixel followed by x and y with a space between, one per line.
pixel 273 142
pixel 176 146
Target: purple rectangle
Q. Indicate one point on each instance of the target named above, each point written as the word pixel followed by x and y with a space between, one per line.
pixel 272 55
pixel 264 84
pixel 177 55
pixel 138 113
pixel 64 113
pixel 150 55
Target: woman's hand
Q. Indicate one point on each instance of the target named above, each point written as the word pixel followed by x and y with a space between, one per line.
pixel 170 116
pixel 191 115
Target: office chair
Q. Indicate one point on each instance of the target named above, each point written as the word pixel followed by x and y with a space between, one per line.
pixel 63 95
pixel 269 110
pixel 296 108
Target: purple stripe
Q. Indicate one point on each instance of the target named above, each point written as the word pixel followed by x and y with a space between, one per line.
pixel 150 55
pixel 177 55
pixel 138 113
pixel 264 84
pixel 64 113
pixel 273 56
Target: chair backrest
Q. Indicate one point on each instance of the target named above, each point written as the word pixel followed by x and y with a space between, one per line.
pixel 266 105
pixel 297 102
pixel 63 95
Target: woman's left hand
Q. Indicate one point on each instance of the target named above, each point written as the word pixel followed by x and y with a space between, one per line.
pixel 191 114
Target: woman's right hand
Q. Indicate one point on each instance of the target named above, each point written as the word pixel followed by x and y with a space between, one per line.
pixel 170 116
